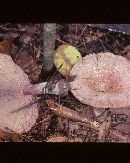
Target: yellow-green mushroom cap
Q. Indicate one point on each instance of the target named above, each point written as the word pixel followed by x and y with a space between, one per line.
pixel 66 56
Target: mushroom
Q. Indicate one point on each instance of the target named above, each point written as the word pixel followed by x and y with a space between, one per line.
pixel 18 109
pixel 103 81
pixel 12 81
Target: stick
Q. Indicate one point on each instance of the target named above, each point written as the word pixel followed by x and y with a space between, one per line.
pixel 49 45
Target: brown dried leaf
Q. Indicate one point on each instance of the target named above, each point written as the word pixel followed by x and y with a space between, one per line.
pixel 123 127
pixel 76 139
pixel 57 138
pixel 16 137
pixel 61 138
pixel 6 136
pixel 5 45
pixel 126 51
pixel 103 130
pixel 29 65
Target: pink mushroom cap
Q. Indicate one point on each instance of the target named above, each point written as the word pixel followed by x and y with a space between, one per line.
pixel 102 80
pixel 12 80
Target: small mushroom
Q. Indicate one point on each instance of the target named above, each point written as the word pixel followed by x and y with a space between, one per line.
pixel 102 80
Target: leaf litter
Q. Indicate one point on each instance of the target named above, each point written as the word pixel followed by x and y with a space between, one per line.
pixel 24 42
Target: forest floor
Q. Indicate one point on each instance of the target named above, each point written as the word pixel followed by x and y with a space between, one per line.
pixel 24 42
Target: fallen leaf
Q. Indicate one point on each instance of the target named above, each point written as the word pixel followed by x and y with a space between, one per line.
pixel 5 45
pixel 29 65
pixel 66 56
pixel 57 138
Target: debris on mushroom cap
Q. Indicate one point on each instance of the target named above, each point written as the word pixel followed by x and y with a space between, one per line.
pixel 102 80
pixel 11 98
pixel 66 56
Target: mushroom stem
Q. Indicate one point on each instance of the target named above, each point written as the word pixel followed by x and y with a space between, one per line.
pixel 56 88
pixel 35 89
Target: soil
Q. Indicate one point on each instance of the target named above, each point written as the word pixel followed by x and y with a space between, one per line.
pixel 26 49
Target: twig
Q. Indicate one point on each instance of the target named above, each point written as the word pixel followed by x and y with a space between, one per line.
pixel 102 45
pixel 26 106
pixel 62 41
pixel 81 34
